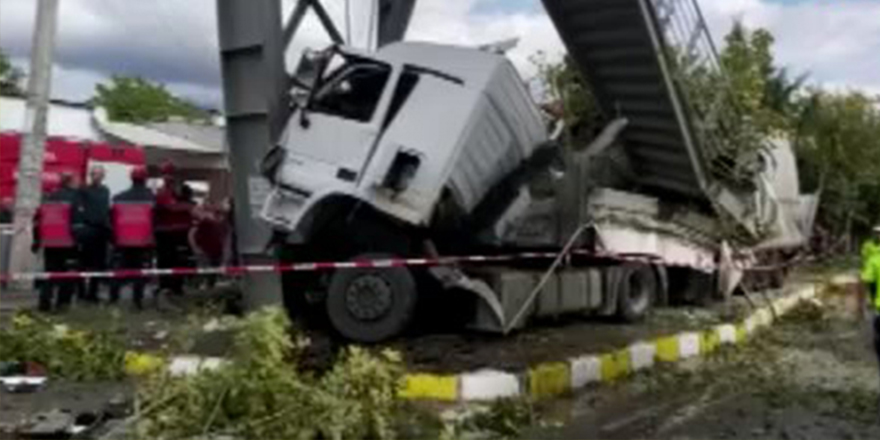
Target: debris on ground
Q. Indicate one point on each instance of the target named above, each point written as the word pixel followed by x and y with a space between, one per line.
pixel 22 377
pixel 22 384
pixel 810 312
pixel 52 424
pixel 502 419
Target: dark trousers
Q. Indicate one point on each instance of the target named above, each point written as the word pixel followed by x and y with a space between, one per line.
pixel 93 257
pixel 172 250
pixel 131 258
pixel 877 335
pixel 57 260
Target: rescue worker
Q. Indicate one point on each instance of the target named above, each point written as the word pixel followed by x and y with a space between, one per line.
pixel 56 224
pixel 870 275
pixel 132 226
pixel 173 220
pixel 95 201
pixel 870 247
pixel 208 237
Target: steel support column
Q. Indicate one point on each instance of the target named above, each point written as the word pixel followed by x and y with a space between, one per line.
pixel 254 85
pixel 394 17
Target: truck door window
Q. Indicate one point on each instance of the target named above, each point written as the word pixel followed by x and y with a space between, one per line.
pixel 352 91
pixel 405 86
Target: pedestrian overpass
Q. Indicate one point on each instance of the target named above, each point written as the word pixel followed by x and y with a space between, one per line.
pixel 640 58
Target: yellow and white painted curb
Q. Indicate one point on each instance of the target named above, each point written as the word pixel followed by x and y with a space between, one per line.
pixel 557 378
pixel 543 380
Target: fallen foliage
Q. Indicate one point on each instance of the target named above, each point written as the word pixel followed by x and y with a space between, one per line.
pixel 261 393
pixel 501 419
pixel 64 352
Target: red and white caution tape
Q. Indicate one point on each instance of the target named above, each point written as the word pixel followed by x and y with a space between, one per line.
pixel 706 266
pixel 275 268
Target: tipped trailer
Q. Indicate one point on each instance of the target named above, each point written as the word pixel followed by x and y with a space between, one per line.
pixel 423 150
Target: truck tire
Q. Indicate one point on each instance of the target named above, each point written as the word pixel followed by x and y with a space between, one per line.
pixel 371 304
pixel 637 290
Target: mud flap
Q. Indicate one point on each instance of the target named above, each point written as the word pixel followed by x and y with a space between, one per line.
pixel 663 284
pixel 729 276
pixel 450 278
pixel 609 294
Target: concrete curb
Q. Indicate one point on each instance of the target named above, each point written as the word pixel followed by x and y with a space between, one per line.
pixel 556 378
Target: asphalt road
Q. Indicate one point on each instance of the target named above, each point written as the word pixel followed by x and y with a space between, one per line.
pixel 812 376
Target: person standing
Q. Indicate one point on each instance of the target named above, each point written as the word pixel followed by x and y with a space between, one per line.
pixel 870 275
pixel 871 245
pixel 132 226
pixel 95 200
pixel 173 220
pixel 870 249
pixel 208 237
pixel 56 224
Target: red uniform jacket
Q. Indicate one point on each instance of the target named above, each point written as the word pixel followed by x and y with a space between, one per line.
pixel 172 213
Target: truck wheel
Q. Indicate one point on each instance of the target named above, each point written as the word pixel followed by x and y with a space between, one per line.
pixel 371 305
pixel 636 291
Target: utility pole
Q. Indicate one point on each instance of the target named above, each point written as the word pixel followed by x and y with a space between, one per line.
pixel 30 167
pixel 251 38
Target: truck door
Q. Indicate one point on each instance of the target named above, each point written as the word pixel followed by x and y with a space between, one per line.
pixel 426 118
pixel 338 126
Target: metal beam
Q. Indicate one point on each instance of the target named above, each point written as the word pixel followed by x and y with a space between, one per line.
pixel 295 20
pixel 327 22
pixel 394 18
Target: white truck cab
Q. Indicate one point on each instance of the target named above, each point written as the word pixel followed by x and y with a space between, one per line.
pixel 396 128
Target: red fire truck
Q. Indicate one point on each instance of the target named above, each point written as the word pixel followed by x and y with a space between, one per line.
pixel 68 155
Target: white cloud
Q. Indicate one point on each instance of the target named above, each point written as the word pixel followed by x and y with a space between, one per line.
pixel 441 21
pixel 169 41
pixel 175 41
pixel 835 42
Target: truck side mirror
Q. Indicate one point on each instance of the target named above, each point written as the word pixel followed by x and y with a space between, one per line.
pixel 402 170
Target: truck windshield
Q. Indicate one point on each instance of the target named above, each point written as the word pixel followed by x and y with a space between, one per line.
pixel 352 89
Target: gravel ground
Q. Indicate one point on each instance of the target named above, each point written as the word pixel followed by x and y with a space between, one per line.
pixel 813 376
pixel 449 351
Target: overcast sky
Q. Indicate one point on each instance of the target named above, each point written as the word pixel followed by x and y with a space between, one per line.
pixel 175 41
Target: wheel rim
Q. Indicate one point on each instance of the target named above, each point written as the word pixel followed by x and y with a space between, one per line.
pixel 638 292
pixel 369 297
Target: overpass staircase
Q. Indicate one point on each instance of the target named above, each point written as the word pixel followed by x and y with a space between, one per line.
pixel 654 62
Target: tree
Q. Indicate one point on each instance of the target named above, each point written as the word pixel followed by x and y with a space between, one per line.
pixel 781 93
pixel 839 153
pixel 569 98
pixel 836 135
pixel 10 77
pixel 134 99
pixel 762 91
